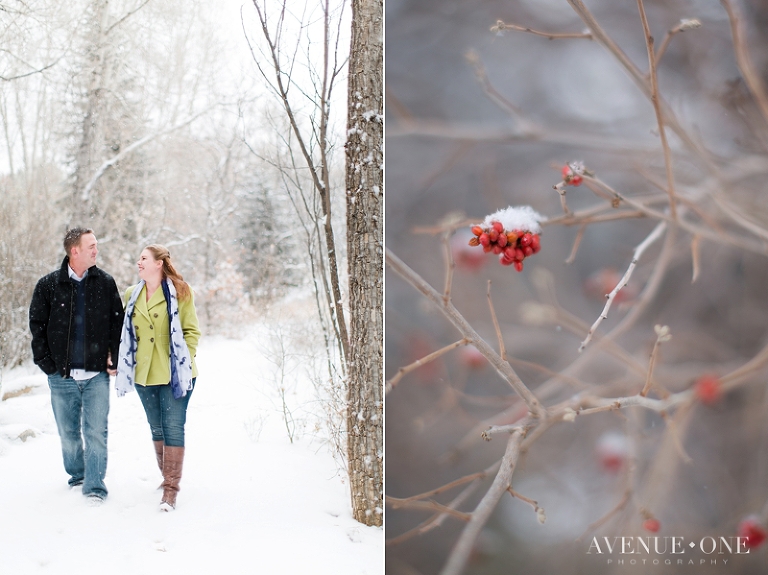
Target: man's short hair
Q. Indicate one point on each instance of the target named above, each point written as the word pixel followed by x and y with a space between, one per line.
pixel 72 238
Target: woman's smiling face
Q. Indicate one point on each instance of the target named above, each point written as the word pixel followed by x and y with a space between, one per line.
pixel 149 267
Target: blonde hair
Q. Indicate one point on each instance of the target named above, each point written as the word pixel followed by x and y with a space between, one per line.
pixel 183 291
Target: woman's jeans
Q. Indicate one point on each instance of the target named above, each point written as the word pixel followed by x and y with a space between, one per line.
pixel 81 409
pixel 165 414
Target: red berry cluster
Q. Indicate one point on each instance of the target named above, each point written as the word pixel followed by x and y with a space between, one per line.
pixel 571 176
pixel 512 245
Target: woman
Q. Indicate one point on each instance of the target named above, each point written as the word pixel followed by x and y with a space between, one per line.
pixel 148 341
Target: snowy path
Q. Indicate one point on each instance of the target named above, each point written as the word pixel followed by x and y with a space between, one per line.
pixel 250 502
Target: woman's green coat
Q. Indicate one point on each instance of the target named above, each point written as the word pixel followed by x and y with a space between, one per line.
pixel 153 351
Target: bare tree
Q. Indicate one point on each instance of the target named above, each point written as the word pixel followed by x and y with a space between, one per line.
pixel 365 226
pixel 122 115
pixel 306 101
pixel 306 169
pixel 300 61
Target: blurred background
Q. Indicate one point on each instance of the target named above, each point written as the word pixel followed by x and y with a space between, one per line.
pixel 479 120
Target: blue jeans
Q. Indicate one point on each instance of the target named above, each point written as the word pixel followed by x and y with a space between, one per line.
pixel 165 414
pixel 81 409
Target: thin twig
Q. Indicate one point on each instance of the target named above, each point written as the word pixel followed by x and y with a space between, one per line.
pixel 574 219
pixel 577 326
pixel 576 243
pixel 392 383
pixel 691 202
pixel 602 404
pixel 615 406
pixel 456 483
pixel 126 16
pixel 430 505
pixel 85 194
pixel 571 381
pixel 494 401
pixel 501 26
pixel 708 231
pixel 740 375
pixel 502 349
pixel 642 82
pixel 438 519
pixel 529 501
pixel 740 218
pixel 652 237
pixel 467 331
pixel 560 189
pixel 682 26
pixel 525 125
pixel 539 511
pixel 696 257
pixel 703 231
pixel 751 76
pixel 662 335
pixel 36 71
pixel 450 265
pixel 479 132
pixel 657 108
pixel 675 435
pixel 607 517
pixel 664 465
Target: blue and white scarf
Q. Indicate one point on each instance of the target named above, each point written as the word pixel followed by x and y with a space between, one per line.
pixel 181 361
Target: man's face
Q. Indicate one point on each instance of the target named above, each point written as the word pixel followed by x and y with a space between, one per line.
pixel 84 254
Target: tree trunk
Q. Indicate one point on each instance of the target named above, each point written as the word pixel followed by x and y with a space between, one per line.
pixel 90 149
pixel 364 183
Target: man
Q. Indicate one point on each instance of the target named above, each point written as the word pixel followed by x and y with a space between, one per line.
pixel 76 317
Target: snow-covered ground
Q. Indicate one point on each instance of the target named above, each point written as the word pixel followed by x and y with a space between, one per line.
pixel 250 501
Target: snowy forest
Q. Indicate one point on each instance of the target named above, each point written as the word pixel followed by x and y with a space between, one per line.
pixel 221 130
pixel 148 122
pixel 576 305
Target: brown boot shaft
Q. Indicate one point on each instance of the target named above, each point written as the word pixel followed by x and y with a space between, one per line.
pixel 173 460
pixel 159 454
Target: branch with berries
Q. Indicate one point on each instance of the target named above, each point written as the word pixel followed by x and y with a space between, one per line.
pixel 512 234
pixel 692 219
pixel 708 390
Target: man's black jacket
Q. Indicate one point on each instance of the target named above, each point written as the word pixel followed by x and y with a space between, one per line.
pixel 51 320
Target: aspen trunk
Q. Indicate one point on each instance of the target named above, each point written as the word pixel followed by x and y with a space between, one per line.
pixel 364 183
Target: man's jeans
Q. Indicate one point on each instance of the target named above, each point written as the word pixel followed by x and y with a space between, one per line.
pixel 81 409
pixel 165 414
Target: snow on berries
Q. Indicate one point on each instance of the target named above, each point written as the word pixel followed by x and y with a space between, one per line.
pixel 752 531
pixel 512 234
pixel 612 451
pixel 573 172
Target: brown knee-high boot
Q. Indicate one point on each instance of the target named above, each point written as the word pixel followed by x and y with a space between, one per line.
pixel 173 459
pixel 159 455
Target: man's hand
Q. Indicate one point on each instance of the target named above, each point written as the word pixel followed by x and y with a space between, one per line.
pixel 110 371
